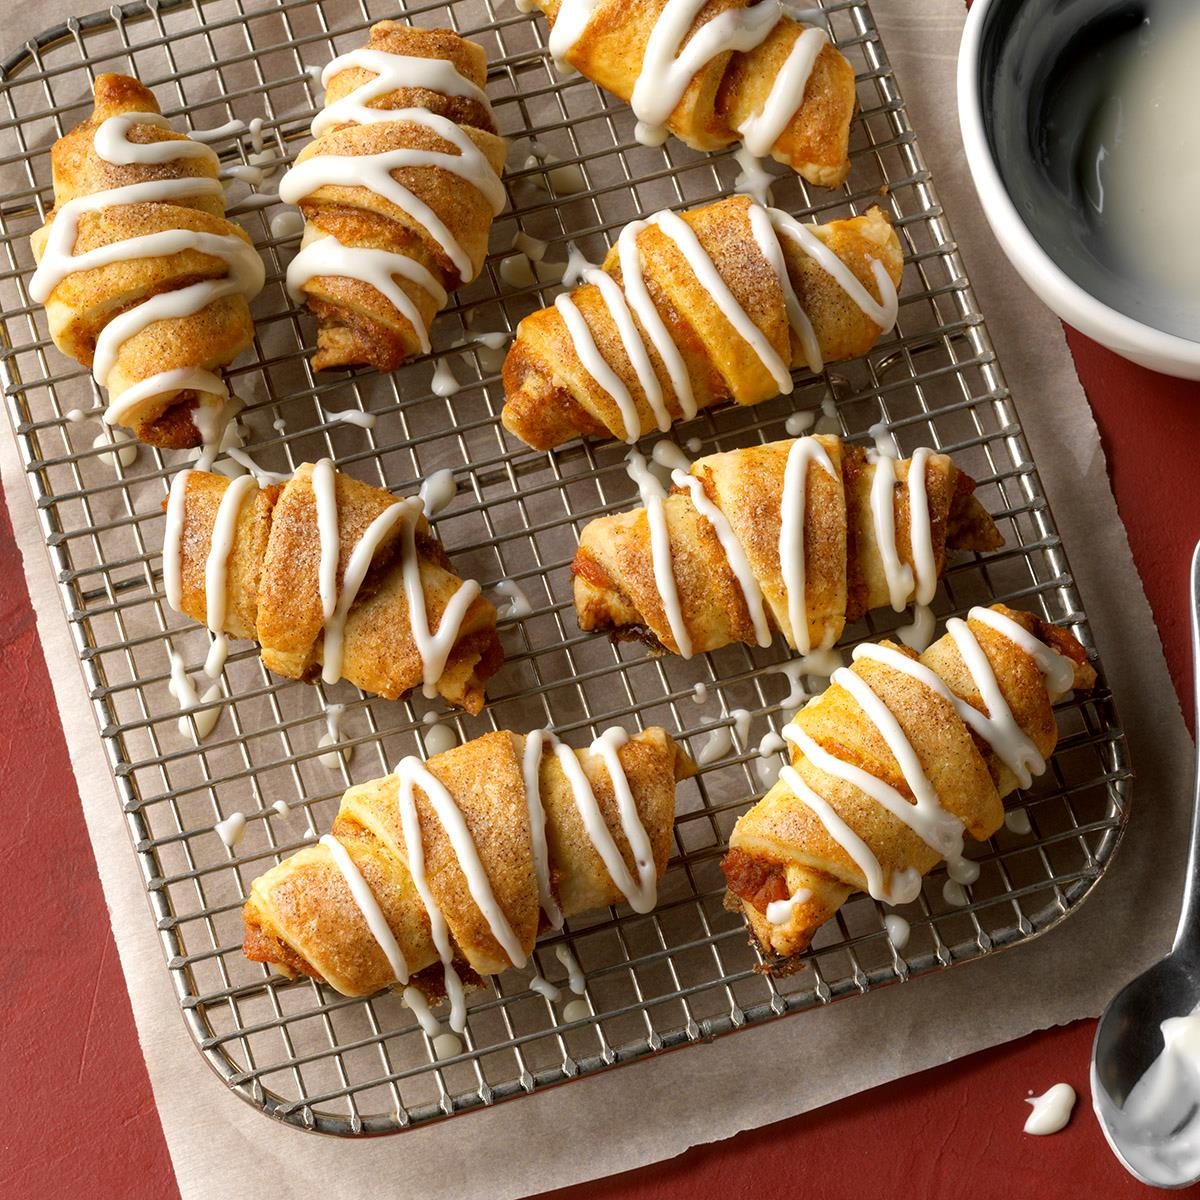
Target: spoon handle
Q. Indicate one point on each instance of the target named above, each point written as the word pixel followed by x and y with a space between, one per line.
pixel 1187 936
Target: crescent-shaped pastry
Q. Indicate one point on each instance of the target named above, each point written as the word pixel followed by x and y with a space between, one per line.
pixel 797 537
pixel 459 862
pixel 714 72
pixel 894 764
pixel 143 278
pixel 331 577
pixel 398 193
pixel 693 309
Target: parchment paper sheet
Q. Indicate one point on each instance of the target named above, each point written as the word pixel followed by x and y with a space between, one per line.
pixel 656 1109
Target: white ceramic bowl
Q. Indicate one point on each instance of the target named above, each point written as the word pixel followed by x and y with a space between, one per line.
pixel 987 22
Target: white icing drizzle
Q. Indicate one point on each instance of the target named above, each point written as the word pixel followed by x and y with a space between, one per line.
pixel 1057 669
pixel 939 829
pixel 997 727
pixel 434 648
pixel 216 568
pixel 1051 1111
pixel 631 339
pixel 739 564
pixel 594 363
pixel 111 141
pixel 348 416
pixel 444 382
pixel 642 893
pixel 902 887
pixel 653 499
pixel 1012 745
pixel 632 298
pixel 898 930
pixel 576 1010
pixel 392 73
pixel 440 739
pixel 919 633
pixel 752 180
pixel 173 540
pixel 719 744
pixel 573 16
pixel 517 606
pixel 668 66
pixel 325 255
pixel 182 688
pixel 367 905
pixel 411 773
pixel 418 1003
pixel 324 487
pixel 1017 821
pixel 684 237
pixel 531 764
pixel 245 269
pixel 898 574
pixel 575 977
pixel 761 130
pixel 544 987
pixel 924 566
pixel 779 912
pixel 438 490
pixel 334 758
pixel 374 171
pixel 638 294
pixel 792 507
pixel 230 830
pixel 881 312
pixel 763 229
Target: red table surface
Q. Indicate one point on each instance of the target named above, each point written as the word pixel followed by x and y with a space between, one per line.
pixel 80 1114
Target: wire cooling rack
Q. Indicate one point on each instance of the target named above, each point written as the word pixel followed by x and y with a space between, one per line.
pixel 684 973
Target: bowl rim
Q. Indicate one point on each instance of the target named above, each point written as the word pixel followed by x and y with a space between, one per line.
pixel 1048 280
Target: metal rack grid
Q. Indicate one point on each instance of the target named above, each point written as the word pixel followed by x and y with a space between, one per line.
pixel 684 973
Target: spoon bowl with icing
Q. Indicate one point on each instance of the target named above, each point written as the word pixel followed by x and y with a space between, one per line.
pixel 1077 118
pixel 1146 1056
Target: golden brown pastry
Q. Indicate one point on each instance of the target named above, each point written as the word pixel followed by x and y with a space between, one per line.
pixel 693 309
pixel 398 193
pixel 713 72
pixel 798 537
pixel 332 577
pixel 893 764
pixel 462 860
pixel 143 278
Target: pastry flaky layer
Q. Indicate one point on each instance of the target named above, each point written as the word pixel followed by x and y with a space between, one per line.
pixel 304 917
pixel 948 734
pixel 733 298
pixel 271 570
pixel 762 503
pixel 141 274
pixel 719 103
pixel 410 219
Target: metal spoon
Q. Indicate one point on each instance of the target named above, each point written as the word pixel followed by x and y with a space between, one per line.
pixel 1129 1036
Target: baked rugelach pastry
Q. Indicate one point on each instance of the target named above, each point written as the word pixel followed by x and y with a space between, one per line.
pixel 796 537
pixel 458 863
pixel 398 193
pixel 693 309
pixel 893 764
pixel 331 577
pixel 714 72
pixel 143 278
